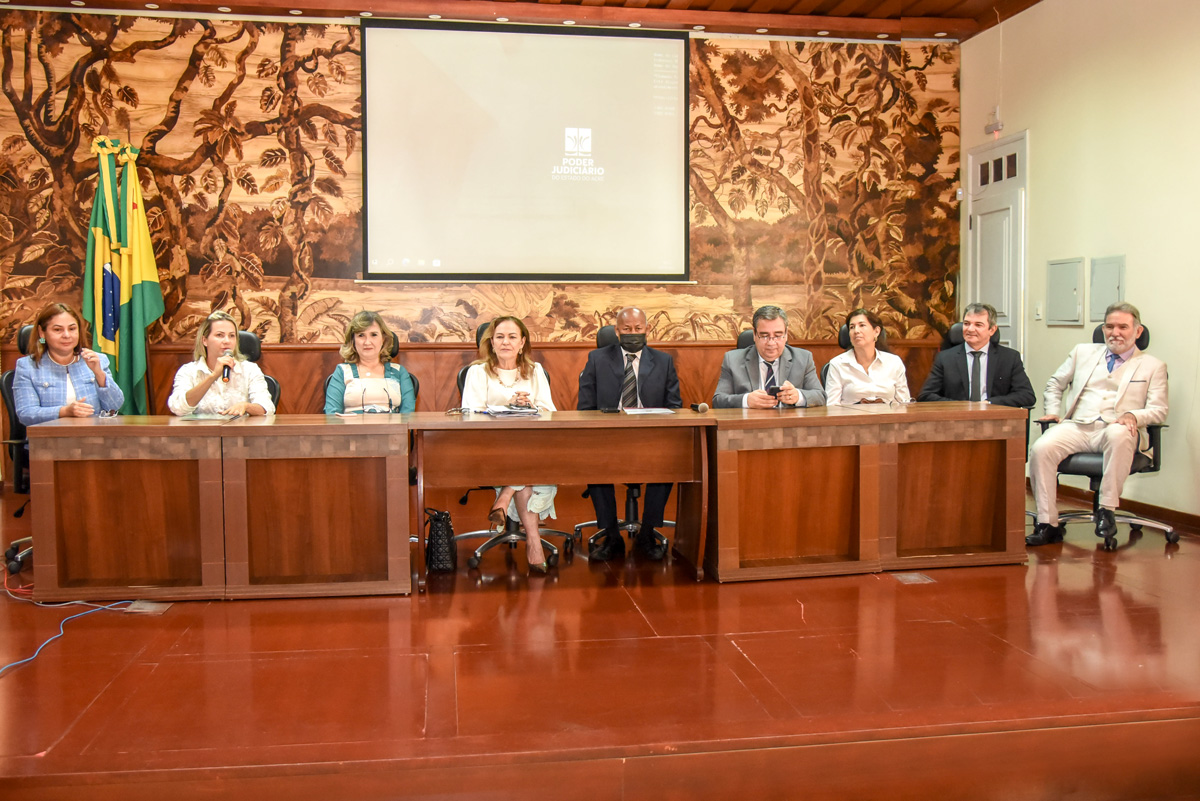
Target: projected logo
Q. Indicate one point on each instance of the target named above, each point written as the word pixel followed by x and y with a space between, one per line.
pixel 579 142
pixel 577 162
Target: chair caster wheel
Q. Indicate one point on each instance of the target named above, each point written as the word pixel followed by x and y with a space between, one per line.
pixel 14 566
pixel 1173 537
pixel 473 562
pixel 1135 526
pixel 569 545
pixel 1110 543
pixel 552 560
pixel 11 553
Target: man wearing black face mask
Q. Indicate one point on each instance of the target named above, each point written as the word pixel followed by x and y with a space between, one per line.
pixel 626 375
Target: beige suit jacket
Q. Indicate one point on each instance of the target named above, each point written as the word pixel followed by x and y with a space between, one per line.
pixel 1142 391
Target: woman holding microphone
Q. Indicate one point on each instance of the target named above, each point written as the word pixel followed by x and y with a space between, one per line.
pixel 220 380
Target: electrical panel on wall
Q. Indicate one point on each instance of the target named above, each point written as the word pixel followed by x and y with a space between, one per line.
pixel 1064 292
pixel 1107 285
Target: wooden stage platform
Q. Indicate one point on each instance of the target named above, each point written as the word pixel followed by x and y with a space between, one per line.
pixel 1076 675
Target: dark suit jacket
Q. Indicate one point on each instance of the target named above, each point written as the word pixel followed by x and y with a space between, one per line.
pixel 600 381
pixel 1007 384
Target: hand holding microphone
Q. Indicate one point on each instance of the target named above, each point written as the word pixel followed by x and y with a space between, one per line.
pixel 227 360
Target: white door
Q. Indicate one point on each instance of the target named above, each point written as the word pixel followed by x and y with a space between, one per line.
pixel 995 267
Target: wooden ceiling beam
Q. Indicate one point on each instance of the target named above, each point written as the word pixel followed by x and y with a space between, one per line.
pixel 554 12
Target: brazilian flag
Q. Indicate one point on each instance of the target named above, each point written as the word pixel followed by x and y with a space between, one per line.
pixel 121 295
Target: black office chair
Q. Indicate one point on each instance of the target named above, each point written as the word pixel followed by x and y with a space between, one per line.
pixel 631 522
pixel 393 353
pixel 745 339
pixel 1091 465
pixel 20 551
pixel 251 347
pixel 844 344
pixel 512 533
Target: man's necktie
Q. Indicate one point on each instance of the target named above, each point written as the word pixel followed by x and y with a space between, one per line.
pixel 629 396
pixel 1112 361
pixel 769 381
pixel 976 388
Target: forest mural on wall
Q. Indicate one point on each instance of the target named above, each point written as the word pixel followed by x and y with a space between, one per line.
pixel 822 178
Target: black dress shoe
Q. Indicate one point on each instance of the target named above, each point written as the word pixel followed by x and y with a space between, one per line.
pixel 1106 524
pixel 651 545
pixel 1045 534
pixel 608 547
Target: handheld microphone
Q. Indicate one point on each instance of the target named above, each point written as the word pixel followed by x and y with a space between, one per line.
pixel 700 408
pixel 225 371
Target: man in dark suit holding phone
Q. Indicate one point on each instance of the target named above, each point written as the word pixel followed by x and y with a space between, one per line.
pixel 978 369
pixel 627 375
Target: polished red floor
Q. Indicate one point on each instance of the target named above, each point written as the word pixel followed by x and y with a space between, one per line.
pixel 1076 676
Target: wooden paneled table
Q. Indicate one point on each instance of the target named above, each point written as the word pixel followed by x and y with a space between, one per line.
pixel 156 507
pixel 855 489
pixel 573 448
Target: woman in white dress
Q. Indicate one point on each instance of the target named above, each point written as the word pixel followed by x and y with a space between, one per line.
pixel 506 375
pixel 200 386
pixel 866 373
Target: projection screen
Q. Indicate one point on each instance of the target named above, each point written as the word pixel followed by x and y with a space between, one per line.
pixel 513 153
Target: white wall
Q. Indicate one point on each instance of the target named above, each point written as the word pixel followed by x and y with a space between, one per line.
pixel 1109 91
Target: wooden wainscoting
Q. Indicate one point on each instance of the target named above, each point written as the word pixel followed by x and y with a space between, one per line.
pixel 301 370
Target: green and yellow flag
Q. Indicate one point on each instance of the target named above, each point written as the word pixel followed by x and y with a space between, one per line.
pixel 121 294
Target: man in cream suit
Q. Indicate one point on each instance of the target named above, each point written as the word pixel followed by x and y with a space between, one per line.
pixel 770 373
pixel 1111 391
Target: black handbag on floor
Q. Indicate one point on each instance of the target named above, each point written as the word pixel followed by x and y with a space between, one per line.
pixel 440 554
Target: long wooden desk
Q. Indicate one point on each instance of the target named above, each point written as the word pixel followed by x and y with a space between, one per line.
pixel 155 507
pixel 574 448
pixel 854 489
pixel 158 507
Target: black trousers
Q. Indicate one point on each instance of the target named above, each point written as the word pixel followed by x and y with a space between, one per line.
pixel 654 501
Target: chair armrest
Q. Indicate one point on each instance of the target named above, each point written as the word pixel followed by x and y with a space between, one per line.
pixel 1154 434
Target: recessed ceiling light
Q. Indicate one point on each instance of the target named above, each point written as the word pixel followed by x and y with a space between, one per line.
pixel 568 22
pixel 77 3
pixel 224 9
pixel 760 30
pixel 882 36
pixel 940 34
pixel 822 33
pixel 635 25
pixel 697 27
pixel 151 6
pixel 435 16
pixel 365 14
pixel 501 19
pixel 296 11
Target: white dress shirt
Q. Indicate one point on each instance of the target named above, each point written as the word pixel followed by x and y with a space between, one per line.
pixel 848 382
pixel 246 385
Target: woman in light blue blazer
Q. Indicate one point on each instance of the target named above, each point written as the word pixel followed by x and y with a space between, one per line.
pixel 60 377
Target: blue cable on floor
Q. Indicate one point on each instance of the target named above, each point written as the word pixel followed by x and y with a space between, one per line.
pixel 62 623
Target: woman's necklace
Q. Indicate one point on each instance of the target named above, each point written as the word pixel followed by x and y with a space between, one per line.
pixel 516 378
pixel 368 373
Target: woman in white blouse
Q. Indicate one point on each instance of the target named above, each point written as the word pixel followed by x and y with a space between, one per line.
pixel 866 373
pixel 200 387
pixel 506 375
